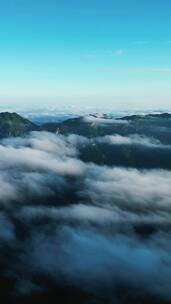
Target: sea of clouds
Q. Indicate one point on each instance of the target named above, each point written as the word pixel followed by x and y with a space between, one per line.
pixel 67 224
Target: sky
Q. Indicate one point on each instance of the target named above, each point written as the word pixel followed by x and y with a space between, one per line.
pixel 93 52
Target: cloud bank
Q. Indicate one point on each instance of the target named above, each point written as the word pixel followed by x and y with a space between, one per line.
pixel 70 228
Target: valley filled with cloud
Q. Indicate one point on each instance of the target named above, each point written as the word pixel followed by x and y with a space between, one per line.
pixel 87 217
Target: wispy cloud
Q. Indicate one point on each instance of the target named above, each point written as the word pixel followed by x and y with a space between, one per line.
pixel 119 52
pixel 151 70
pixel 140 42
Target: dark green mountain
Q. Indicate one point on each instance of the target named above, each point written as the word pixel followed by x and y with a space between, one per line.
pixel 12 124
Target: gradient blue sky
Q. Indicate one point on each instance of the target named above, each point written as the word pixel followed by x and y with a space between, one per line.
pixel 90 52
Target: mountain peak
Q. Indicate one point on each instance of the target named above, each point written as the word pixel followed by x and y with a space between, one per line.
pixel 12 124
pixel 8 116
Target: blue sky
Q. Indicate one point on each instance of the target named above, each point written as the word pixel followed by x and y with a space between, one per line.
pixel 86 52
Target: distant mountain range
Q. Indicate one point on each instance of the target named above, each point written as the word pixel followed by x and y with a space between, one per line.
pixel 154 125
pixel 107 139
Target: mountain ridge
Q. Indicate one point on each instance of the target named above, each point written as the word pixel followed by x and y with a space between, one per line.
pixel 13 124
